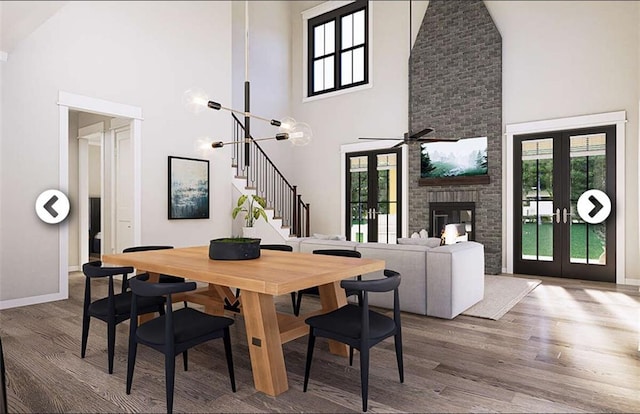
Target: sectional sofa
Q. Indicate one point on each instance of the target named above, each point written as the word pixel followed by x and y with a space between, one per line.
pixel 440 281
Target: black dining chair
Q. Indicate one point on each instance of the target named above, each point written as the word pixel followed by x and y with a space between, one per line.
pixel 163 278
pixel 173 333
pixel 314 290
pixel 359 327
pixel 4 406
pixel 113 309
pixel 281 248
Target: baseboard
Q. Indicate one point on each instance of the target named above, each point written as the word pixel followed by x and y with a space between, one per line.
pixel 32 300
pixel 632 282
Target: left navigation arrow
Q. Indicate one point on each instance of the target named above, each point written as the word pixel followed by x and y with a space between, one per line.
pixel 49 206
pixel 46 202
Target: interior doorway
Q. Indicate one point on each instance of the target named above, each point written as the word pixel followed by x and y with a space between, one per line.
pixel 104 199
pixel 128 115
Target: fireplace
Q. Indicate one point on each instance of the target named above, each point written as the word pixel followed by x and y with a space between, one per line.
pixel 453 212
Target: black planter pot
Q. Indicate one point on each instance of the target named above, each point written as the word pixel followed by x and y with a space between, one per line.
pixel 234 249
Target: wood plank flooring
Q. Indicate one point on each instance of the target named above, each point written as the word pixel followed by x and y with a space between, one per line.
pixel 569 346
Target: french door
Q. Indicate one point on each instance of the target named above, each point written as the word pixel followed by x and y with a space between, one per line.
pixel 551 171
pixel 373 186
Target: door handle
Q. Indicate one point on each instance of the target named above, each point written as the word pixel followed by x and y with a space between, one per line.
pixel 557 215
pixel 565 215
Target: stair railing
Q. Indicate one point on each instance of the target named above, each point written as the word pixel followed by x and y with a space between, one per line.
pixel 267 181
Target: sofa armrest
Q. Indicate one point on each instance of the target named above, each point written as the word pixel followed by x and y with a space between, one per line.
pixel 410 261
pixel 455 278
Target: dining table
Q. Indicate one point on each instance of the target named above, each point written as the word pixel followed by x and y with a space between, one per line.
pixel 259 281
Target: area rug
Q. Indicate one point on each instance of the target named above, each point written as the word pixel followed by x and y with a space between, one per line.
pixel 501 293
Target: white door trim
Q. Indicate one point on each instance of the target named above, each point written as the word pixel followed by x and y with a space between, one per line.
pixel 618 118
pixel 67 101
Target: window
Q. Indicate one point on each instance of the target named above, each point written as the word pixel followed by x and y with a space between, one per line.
pixel 338 49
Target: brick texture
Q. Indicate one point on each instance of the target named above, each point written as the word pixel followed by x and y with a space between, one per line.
pixel 456 88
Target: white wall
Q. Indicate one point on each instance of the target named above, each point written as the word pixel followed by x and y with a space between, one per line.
pixel 137 53
pixel 380 111
pixel 269 70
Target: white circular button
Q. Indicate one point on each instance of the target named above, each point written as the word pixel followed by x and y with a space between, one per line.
pixel 52 206
pixel 594 206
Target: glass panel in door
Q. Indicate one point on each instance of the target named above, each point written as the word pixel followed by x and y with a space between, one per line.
pixel 587 171
pixel 358 198
pixel 537 200
pixel 386 211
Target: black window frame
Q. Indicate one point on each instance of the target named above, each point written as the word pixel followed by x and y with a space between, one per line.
pixel 336 16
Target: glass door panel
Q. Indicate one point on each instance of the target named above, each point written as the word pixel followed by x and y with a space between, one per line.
pixel 387 205
pixel 537 199
pixel 588 162
pixel 358 199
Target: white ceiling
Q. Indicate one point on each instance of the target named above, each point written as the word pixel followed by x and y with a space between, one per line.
pixel 20 18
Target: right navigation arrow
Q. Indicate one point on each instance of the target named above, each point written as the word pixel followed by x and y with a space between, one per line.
pixel 597 206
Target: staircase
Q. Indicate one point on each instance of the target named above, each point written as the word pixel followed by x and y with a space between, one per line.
pixel 287 213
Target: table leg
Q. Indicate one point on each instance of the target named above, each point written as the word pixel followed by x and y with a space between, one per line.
pixel 216 306
pixel 265 346
pixel 332 297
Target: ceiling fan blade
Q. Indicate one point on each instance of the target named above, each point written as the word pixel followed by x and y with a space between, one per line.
pixel 418 134
pixel 435 139
pixel 381 139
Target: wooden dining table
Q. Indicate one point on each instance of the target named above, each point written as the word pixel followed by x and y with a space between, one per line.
pixel 259 280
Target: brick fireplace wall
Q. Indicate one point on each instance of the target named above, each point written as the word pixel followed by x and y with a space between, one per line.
pixel 456 87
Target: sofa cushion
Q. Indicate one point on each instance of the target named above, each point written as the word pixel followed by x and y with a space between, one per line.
pixel 411 262
pixel 429 241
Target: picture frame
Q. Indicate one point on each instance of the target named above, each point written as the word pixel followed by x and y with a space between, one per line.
pixel 188 188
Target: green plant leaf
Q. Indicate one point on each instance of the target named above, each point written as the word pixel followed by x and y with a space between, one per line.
pixel 241 200
pixel 260 200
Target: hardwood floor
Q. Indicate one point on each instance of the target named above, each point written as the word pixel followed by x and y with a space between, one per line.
pixel 569 346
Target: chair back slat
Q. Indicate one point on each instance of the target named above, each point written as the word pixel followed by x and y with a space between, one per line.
pixel 377 285
pixel 278 247
pixel 95 269
pixel 145 248
pixel 141 287
pixel 339 252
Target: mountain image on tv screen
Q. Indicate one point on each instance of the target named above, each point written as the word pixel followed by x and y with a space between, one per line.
pixel 465 157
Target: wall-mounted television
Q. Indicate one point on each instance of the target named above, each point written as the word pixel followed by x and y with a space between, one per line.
pixel 446 162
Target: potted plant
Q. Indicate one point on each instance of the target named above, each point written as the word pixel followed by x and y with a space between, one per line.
pixel 241 248
pixel 253 208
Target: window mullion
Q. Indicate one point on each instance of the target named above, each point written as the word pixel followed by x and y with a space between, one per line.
pixel 338 59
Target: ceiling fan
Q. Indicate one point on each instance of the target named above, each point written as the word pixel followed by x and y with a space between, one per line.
pixel 413 136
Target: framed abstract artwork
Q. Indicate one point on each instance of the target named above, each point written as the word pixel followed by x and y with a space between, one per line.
pixel 188 188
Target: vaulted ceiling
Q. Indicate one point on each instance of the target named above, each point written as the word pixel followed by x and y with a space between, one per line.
pixel 20 18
